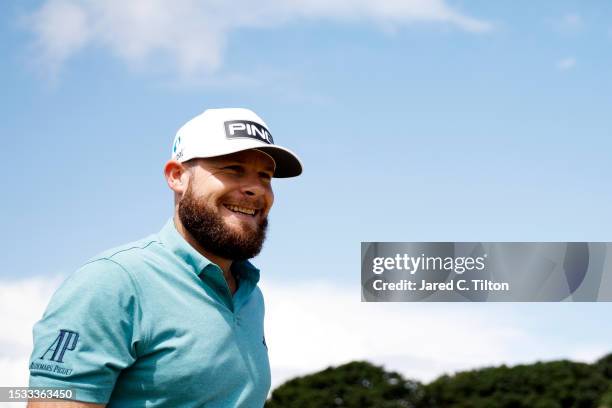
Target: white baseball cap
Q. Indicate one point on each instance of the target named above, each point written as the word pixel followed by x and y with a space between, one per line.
pixel 217 132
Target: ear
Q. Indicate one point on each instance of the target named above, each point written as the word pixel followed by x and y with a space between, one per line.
pixel 177 176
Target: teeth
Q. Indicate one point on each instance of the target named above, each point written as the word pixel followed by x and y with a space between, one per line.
pixel 241 209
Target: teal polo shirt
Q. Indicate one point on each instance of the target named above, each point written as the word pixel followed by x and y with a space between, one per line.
pixel 154 324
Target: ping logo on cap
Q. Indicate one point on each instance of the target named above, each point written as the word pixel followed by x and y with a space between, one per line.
pixel 246 128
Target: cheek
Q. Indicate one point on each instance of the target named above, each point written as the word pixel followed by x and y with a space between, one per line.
pixel 206 200
pixel 210 191
pixel 270 199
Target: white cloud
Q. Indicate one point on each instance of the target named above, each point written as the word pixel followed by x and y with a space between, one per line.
pixel 22 303
pixel 311 326
pixel 590 353
pixel 193 33
pixel 566 63
pixel 61 29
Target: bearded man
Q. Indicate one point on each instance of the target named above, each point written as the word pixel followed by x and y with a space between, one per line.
pixel 175 319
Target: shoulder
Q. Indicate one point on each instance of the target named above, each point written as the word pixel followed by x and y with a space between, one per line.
pixel 111 271
pixel 129 253
pixel 127 259
pixel 97 283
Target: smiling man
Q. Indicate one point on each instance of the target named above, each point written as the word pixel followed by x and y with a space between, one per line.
pixel 176 319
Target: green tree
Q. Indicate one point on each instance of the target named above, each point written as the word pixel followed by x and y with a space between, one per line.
pixel 604 365
pixel 557 384
pixel 357 384
pixel 606 400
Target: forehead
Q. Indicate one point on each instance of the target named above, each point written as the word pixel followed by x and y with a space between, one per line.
pixel 255 158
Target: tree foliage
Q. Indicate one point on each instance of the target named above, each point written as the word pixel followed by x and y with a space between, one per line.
pixel 358 384
pixel 556 384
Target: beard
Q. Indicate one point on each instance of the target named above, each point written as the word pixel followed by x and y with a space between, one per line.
pixel 206 226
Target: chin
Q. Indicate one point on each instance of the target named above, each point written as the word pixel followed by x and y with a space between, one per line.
pixel 238 227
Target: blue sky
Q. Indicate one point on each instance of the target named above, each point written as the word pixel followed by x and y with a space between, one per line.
pixel 422 121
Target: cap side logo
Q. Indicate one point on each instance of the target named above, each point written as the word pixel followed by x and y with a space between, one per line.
pixel 246 128
pixel 177 149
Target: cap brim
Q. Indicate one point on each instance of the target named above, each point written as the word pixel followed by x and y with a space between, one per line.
pixel 287 162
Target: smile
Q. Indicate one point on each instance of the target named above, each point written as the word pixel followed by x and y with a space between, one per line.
pixel 241 210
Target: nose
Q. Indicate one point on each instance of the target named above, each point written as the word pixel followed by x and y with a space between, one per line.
pixel 254 186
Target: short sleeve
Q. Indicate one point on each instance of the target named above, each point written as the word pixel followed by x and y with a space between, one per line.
pixel 89 332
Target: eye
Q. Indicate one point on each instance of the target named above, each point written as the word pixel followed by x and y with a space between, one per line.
pixel 265 176
pixel 235 169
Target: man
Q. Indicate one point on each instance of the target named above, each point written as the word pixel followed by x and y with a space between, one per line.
pixel 176 319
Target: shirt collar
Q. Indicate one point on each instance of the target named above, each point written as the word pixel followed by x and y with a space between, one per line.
pixel 174 241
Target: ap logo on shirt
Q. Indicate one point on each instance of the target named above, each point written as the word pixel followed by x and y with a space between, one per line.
pixel 65 341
